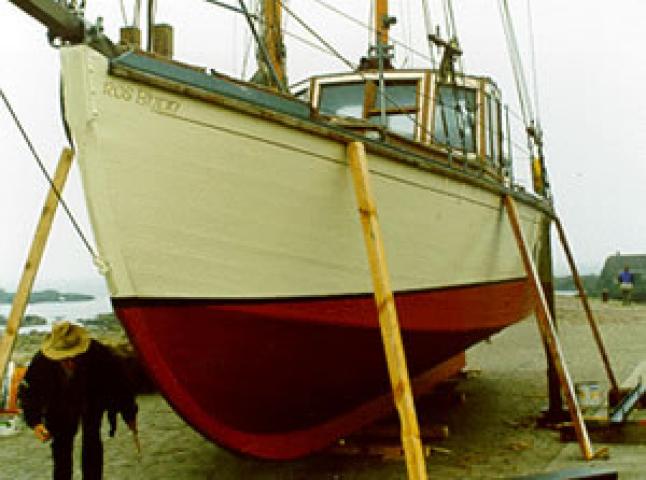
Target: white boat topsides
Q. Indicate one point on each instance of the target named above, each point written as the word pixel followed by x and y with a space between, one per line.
pixel 193 199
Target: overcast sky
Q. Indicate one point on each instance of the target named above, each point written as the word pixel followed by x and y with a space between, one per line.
pixel 591 76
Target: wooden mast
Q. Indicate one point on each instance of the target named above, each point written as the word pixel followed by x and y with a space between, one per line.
pixel 273 37
pixel 381 22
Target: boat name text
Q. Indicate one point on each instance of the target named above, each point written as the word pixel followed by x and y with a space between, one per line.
pixel 140 96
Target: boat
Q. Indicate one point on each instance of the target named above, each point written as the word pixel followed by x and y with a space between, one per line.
pixel 226 225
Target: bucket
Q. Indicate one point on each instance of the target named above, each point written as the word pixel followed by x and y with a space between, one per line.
pixel 589 395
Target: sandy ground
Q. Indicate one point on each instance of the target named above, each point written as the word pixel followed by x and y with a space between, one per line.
pixel 492 432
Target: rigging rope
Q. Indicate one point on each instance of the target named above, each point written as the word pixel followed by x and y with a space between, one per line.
pixel 428 25
pixel 447 21
pixel 371 14
pixel 123 13
pixel 370 29
pixel 465 115
pixel 412 117
pixel 534 75
pixel 136 21
pixel 263 49
pixel 317 36
pixel 519 75
pixel 48 177
pixel 448 8
pixel 247 44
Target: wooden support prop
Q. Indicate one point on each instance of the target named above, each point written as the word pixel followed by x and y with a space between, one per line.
pixel 390 333
pixel 586 306
pixel 33 261
pixel 546 326
pixel 575 474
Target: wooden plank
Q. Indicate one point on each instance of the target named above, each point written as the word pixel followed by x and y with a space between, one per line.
pixel 388 322
pixel 630 432
pixel 575 474
pixel 546 327
pixel 586 305
pixel 639 373
pixel 33 261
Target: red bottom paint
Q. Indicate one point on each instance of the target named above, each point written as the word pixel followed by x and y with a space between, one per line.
pixel 280 379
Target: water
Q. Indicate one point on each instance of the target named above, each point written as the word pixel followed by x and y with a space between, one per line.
pixel 53 311
pixel 567 293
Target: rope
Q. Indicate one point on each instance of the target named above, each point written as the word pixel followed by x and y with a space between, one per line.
pixel 533 57
pixel 47 176
pixel 428 25
pixel 447 22
pixel 330 50
pixel 123 12
pixel 448 7
pixel 317 36
pixel 371 14
pixel 136 21
pixel 514 56
pixel 263 48
pixel 371 30
pixel 413 118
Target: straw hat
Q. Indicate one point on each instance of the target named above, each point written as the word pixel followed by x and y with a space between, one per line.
pixel 66 340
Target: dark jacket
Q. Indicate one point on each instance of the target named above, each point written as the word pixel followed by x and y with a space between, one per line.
pixel 99 384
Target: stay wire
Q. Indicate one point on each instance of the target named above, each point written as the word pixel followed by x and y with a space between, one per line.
pixel 47 176
pixel 389 98
pixel 333 52
pixel 532 47
pixel 311 31
pixel 123 12
pixel 428 25
pixel 370 29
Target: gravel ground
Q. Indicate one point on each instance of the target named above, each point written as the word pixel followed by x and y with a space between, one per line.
pixel 492 431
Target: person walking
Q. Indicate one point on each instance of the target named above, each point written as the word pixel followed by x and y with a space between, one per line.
pixel 626 284
pixel 73 380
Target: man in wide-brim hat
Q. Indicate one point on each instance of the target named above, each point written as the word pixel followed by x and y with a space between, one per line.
pixel 73 380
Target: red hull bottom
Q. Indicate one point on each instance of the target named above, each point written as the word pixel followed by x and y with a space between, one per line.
pixel 282 379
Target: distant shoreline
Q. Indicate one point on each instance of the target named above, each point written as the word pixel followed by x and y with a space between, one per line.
pixel 47 296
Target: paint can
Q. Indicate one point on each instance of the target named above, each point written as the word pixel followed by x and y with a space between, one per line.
pixel 9 388
pixel 589 395
pixel 9 399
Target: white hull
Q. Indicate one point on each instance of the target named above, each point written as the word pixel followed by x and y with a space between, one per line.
pixel 190 199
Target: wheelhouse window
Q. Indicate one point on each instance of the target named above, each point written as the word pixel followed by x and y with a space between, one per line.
pixel 344 100
pixel 455 117
pixel 493 132
pixel 362 100
pixel 400 100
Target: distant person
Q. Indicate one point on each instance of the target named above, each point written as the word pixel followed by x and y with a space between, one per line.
pixel 73 380
pixel 626 284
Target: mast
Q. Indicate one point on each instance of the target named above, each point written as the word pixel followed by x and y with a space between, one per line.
pixel 270 52
pixel 273 37
pixel 382 22
pixel 380 53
